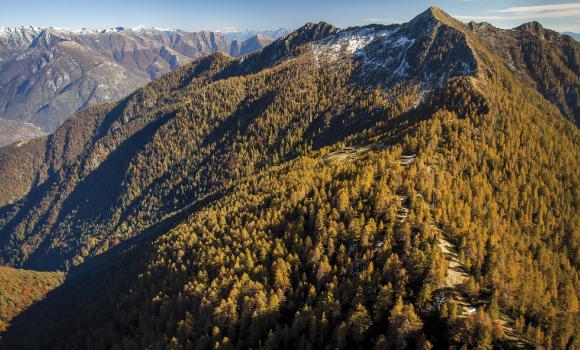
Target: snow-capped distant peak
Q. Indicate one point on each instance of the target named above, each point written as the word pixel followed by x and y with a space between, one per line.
pixel 18 32
pixel 71 30
pixel 143 28
pixel 227 31
pixel 162 29
pixel 139 28
pixel 4 29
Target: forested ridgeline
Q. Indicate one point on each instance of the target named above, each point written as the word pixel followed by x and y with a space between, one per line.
pixel 542 58
pixel 21 288
pixel 326 252
pixel 329 202
pixel 142 163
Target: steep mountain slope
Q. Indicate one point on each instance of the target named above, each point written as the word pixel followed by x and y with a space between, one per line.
pixel 220 206
pixel 46 84
pixel 12 131
pixel 250 45
pixel 21 288
pixel 46 75
pixel 542 58
pixel 14 40
pixel 63 206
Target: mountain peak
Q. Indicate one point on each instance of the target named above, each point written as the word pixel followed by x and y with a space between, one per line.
pixel 533 27
pixel 317 30
pixel 434 11
pixel 310 25
pixel 433 15
pixel 309 32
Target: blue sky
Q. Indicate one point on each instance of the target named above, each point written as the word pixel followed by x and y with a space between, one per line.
pixel 262 14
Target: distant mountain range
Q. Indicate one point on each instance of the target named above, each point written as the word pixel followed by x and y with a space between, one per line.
pixel 48 74
pixel 246 34
pixel 576 36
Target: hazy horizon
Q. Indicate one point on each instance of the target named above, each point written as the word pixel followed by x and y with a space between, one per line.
pixel 229 15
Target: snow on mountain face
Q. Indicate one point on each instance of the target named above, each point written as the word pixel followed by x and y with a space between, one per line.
pixel 378 50
pixel 141 28
pixel 20 32
pixel 14 39
pixel 350 41
pixel 387 55
pixel 10 37
pixel 111 30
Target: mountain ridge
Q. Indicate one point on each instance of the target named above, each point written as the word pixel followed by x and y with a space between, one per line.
pixel 540 57
pixel 128 122
pixel 48 74
pixel 318 178
pixel 224 68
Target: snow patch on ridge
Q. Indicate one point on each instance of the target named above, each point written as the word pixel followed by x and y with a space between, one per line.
pixel 7 32
pixel 349 41
pixel 377 49
pixel 387 56
pixel 142 28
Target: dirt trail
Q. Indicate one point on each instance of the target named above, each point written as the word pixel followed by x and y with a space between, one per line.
pixel 454 279
pixel 456 275
pixel 352 152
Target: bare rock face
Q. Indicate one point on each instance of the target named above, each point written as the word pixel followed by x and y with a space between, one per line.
pixel 250 45
pixel 12 131
pixel 46 75
pixel 14 40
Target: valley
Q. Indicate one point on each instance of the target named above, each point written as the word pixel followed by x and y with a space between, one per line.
pixel 48 74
